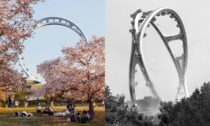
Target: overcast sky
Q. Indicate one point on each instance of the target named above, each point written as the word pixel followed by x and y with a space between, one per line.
pixel 195 16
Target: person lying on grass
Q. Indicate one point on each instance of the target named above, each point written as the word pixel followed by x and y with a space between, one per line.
pixel 62 113
pixel 23 114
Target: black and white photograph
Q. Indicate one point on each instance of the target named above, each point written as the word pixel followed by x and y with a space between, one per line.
pixel 157 63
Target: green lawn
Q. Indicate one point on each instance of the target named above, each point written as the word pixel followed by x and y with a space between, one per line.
pixel 7 118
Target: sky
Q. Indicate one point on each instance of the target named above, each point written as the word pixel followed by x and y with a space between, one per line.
pixel 46 42
pixel 195 16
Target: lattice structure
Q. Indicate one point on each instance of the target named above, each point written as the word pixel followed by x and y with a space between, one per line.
pixel 45 22
pixel 140 22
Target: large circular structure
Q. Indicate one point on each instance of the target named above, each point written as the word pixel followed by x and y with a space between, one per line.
pixel 141 21
pixel 45 22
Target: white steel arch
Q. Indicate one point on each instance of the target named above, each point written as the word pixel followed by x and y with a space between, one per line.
pixel 45 22
pixel 140 22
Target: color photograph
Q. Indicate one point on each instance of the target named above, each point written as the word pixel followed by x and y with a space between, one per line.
pixel 52 64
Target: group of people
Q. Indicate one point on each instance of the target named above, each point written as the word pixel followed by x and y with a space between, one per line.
pixel 47 110
pixel 12 103
pixel 73 116
pixel 81 117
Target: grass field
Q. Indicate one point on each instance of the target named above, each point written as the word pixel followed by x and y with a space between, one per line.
pixel 7 118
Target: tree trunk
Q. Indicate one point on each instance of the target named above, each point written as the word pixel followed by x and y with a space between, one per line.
pixel 3 104
pixel 90 102
pixel 91 107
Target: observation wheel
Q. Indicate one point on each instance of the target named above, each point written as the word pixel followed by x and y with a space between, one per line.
pixel 140 22
pixel 45 22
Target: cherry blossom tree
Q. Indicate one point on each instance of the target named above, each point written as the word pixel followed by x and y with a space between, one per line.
pixel 15 21
pixel 79 74
pixel 10 82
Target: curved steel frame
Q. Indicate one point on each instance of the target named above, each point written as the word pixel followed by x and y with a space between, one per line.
pixel 51 21
pixel 140 22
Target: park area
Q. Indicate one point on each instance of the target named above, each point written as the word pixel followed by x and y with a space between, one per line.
pixel 57 78
pixel 7 117
pixel 54 79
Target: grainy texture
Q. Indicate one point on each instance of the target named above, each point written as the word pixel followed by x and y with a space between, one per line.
pixel 7 118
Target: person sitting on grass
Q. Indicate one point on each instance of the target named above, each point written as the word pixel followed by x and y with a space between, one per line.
pixel 17 114
pixel 39 108
pixel 85 117
pixel 73 118
pixel 48 111
pixel 78 117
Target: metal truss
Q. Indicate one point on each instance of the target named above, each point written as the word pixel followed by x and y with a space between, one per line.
pixel 140 22
pixel 45 22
